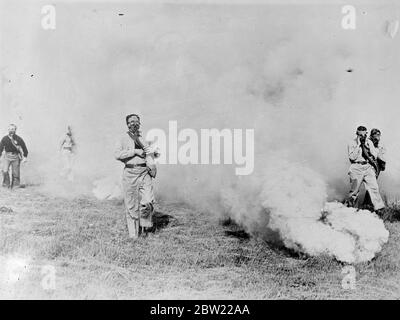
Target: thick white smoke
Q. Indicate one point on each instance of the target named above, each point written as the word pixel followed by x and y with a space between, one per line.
pixel 291 202
pixel 291 73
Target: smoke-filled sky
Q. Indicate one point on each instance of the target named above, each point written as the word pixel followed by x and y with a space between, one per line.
pixel 282 70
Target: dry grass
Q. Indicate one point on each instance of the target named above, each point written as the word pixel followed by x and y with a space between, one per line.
pixel 190 255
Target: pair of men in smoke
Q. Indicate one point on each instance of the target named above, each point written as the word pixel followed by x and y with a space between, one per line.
pixel 367 157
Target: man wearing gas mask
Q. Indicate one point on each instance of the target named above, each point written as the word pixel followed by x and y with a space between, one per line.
pixel 363 169
pixel 375 137
pixel 137 180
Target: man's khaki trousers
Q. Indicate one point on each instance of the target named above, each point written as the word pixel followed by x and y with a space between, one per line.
pixel 139 198
pixel 360 173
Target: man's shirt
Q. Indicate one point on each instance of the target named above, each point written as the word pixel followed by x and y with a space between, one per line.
pixel 125 151
pixel 355 151
pixel 6 144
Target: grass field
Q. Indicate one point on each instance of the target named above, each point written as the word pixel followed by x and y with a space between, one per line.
pixel 190 255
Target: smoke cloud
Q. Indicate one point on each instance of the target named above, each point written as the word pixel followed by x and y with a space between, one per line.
pixel 291 73
pixel 289 204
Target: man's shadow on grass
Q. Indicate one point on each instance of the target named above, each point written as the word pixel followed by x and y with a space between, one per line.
pixel 161 221
pixel 232 229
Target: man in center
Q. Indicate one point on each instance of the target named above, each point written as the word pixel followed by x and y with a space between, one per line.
pixel 137 179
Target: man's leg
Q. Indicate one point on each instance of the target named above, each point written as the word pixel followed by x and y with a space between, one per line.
pixel 133 226
pixel 5 169
pixel 15 173
pixel 146 202
pixel 131 203
pixel 367 203
pixel 64 161
pixel 70 166
pixel 64 169
pixel 356 178
pixel 372 186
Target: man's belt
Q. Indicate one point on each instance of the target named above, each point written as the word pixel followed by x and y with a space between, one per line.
pixel 131 166
pixel 360 162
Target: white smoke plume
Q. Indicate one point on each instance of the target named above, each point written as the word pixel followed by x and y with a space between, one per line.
pixel 291 203
pixel 291 73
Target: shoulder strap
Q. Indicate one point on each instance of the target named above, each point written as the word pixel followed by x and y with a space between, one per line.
pixel 369 157
pixel 136 139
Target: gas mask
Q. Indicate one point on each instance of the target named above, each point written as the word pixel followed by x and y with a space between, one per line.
pixel 134 128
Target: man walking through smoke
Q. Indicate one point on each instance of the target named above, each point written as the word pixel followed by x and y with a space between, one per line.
pixel 137 177
pixel 375 137
pixel 362 155
pixel 67 147
pixel 15 152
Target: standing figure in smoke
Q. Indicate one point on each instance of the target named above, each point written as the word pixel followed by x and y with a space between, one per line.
pixel 137 179
pixel 362 155
pixel 15 153
pixel 375 137
pixel 67 148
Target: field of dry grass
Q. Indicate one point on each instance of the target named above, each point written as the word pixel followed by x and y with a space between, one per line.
pixel 190 255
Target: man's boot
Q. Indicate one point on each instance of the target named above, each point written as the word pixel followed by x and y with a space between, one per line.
pixel 15 183
pixel 350 202
pixel 381 213
pixel 384 214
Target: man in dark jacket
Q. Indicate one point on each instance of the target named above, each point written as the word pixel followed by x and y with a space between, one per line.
pixel 15 152
pixel 375 137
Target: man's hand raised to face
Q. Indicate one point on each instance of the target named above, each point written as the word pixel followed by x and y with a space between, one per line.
pixel 362 137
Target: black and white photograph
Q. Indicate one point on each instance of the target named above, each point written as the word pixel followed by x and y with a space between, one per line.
pixel 201 150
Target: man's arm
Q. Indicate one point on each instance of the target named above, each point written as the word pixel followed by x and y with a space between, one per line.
pixel 354 150
pixel 121 153
pixel 2 146
pixel 23 146
pixel 381 153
